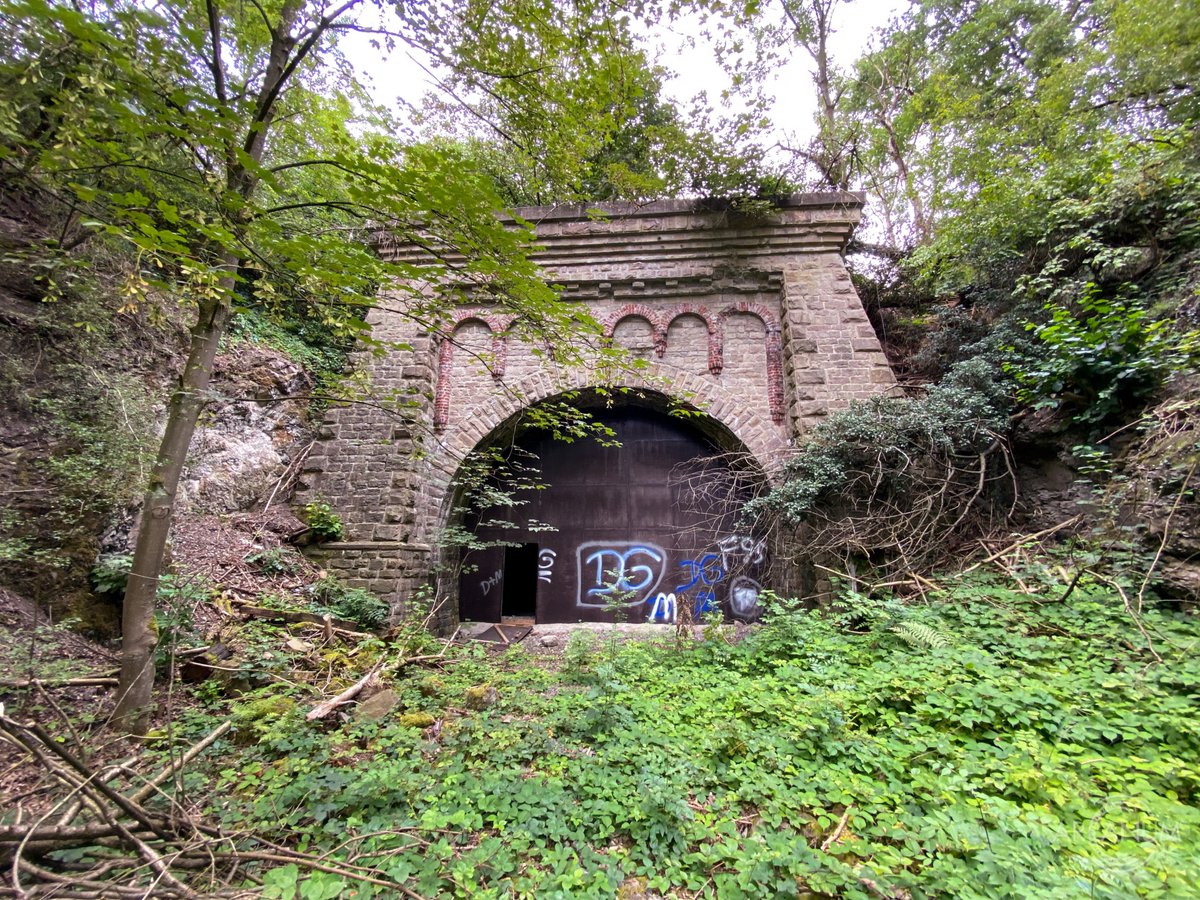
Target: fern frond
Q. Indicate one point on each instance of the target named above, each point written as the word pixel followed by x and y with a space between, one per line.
pixel 918 634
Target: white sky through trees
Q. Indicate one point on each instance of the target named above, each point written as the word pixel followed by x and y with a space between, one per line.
pixel 399 80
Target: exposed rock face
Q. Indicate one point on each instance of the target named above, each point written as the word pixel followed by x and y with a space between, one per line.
pixel 1050 492
pixel 254 431
pixel 83 388
pixel 1179 580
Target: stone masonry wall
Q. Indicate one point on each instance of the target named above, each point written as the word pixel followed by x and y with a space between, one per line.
pixel 753 322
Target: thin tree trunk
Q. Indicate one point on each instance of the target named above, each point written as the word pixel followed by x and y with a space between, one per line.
pixel 137 623
pixel 913 196
pixel 138 635
pixel 812 30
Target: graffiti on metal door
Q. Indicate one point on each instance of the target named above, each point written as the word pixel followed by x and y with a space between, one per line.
pixel 618 572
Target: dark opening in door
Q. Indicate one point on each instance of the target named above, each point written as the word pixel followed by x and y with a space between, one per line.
pixel 520 581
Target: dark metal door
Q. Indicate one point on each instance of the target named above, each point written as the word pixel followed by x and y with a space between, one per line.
pixel 480 585
pixel 630 539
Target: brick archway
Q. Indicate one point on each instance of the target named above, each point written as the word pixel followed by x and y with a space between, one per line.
pixel 670 490
pixel 740 430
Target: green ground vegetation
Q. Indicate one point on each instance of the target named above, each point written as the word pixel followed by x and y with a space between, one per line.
pixel 988 743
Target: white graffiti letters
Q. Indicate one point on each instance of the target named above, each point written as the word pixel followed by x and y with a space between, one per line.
pixel 663 609
pixel 741 555
pixel 546 565
pixel 722 577
pixel 740 549
pixel 488 583
pixel 743 598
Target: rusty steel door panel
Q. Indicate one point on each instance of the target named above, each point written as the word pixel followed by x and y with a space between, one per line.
pixel 630 538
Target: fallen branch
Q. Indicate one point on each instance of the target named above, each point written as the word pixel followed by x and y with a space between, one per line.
pixel 1166 536
pixel 325 707
pixel 66 720
pixel 341 626
pixel 837 832
pixel 292 470
pixel 87 681
pixel 23 733
pixel 309 862
pixel 144 792
pixel 106 774
pixel 1135 614
pixel 1071 586
pixel 13 833
pixel 152 857
pixel 148 856
pixel 1025 539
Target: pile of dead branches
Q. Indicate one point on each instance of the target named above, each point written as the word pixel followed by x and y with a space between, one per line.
pixel 893 511
pixel 909 518
pixel 897 485
pixel 109 831
pixel 97 840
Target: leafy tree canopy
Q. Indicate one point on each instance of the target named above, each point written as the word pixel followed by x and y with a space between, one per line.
pixel 216 142
pixel 644 148
pixel 1034 177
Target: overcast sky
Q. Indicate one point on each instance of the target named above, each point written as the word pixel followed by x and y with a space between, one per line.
pixel 396 78
pixel 795 101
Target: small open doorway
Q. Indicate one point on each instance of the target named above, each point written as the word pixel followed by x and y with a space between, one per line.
pixel 520 583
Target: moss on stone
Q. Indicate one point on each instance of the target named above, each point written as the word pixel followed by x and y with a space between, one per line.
pixel 416 720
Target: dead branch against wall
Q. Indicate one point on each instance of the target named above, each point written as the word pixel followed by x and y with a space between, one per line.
pixel 133 836
pixel 892 518
pixel 1148 472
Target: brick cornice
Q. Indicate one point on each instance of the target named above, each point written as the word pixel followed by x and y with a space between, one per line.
pixel 845 202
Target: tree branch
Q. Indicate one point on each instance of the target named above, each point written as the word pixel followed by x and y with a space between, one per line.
pixel 215 63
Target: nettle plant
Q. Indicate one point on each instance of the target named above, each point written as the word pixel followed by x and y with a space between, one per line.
pixel 323 522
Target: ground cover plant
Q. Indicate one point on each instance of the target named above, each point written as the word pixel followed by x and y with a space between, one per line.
pixel 988 743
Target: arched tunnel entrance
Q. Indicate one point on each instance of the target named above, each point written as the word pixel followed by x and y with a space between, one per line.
pixel 641 528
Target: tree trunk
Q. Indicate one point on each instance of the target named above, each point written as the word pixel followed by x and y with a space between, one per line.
pixel 137 623
pixel 812 30
pixel 138 635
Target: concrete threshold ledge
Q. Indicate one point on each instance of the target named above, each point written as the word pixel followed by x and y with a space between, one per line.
pixel 554 636
pixel 332 546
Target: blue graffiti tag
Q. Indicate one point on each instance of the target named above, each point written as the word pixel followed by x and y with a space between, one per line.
pixel 703 571
pixel 618 568
pixel 705 601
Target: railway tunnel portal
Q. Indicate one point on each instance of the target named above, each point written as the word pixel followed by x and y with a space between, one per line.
pixel 750 326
